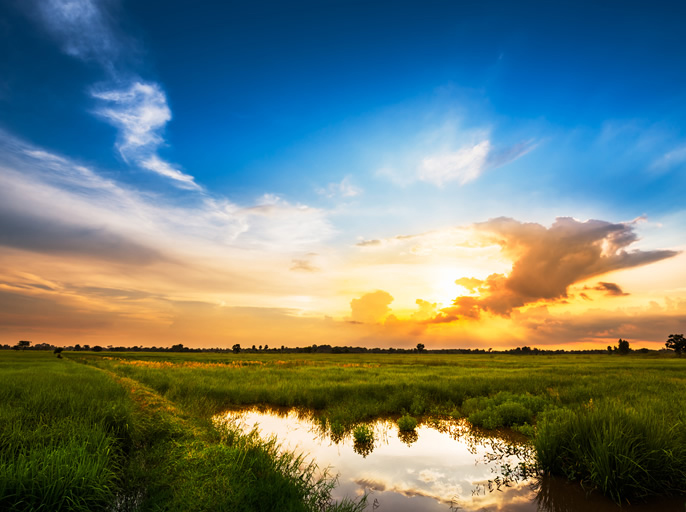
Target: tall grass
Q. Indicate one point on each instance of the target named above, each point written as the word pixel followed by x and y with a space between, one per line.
pixel 62 434
pixel 73 437
pixel 626 453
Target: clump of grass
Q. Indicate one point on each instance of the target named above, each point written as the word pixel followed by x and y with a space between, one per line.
pixel 624 453
pixel 363 434
pixel 407 423
pixel 525 429
pixel 337 430
pixel 503 410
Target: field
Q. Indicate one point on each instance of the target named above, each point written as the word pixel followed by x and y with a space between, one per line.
pixel 615 423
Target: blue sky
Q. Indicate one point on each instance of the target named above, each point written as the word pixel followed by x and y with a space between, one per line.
pixel 300 129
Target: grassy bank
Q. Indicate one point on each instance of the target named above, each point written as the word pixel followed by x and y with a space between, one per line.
pixel 74 437
pixel 609 421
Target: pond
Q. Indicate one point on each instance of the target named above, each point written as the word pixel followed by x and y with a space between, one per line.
pixel 443 465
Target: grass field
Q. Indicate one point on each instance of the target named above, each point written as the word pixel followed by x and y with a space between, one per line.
pixel 74 437
pixel 617 423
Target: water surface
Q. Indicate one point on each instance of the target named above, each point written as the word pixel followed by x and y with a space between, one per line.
pixel 444 465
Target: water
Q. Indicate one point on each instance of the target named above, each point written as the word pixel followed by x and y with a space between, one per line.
pixel 442 466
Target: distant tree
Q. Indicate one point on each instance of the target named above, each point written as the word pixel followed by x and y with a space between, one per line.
pixel 420 347
pixel 260 347
pixel 236 348
pixel 58 351
pixel 254 347
pixel 677 343
pixel 609 349
pixel 23 344
pixel 623 346
pixel 97 348
pixel 266 347
pixel 86 347
pixel 77 347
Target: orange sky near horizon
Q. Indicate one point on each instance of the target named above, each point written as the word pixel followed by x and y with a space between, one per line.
pixel 497 284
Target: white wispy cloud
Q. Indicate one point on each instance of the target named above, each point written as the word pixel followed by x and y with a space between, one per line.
pixel 450 154
pixel 675 157
pixel 344 188
pixel 82 28
pixel 215 227
pixel 140 113
pixel 463 165
pixel 138 109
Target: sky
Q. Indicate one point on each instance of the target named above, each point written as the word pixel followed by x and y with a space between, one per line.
pixel 369 173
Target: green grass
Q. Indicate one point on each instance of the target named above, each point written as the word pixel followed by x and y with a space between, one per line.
pixel 363 434
pixel 73 437
pixel 534 395
pixel 63 434
pixel 407 423
pixel 137 428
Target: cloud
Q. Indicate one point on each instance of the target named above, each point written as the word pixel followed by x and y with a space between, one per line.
pixel 82 27
pixel 546 261
pixel 425 310
pixel 449 153
pixel 342 189
pixel 154 164
pixel 610 288
pixel 463 165
pixel 304 264
pixel 50 204
pixel 371 307
pixel 138 109
pixel 38 233
pixel 368 243
pixel 140 113
pixel 470 283
pixel 673 158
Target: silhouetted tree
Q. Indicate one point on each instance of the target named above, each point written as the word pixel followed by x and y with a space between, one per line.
pixel 236 348
pixel 677 343
pixel 420 347
pixel 23 344
pixel 623 346
pixel 58 351
pixel 97 348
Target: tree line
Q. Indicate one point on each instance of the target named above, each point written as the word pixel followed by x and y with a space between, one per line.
pixel 675 342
